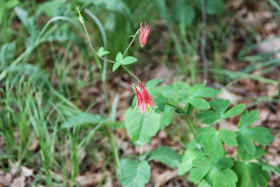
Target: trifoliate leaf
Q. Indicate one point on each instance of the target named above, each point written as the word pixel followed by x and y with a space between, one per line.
pixel 128 60
pixel 187 160
pixel 134 173
pixel 200 168
pixel 244 155
pixel 250 174
pixel 220 106
pixel 166 156
pixel 101 52
pixel 246 134
pixel 213 140
pixel 141 127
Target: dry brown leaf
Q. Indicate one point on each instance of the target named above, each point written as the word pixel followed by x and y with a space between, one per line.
pixel 160 179
pixel 89 179
pixel 18 182
pixel 34 144
pixel 6 179
pixel 227 95
pixel 26 171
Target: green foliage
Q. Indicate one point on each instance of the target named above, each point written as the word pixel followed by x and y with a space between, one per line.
pixel 246 135
pixel 134 173
pixel 220 106
pixel 101 52
pixel 250 174
pixel 166 156
pixel 141 128
pixel 123 61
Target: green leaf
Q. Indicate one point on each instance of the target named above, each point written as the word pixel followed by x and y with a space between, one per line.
pixel 250 174
pixel 81 119
pixel 200 169
pixel 270 168
pixel 152 83
pixel 227 136
pixel 248 118
pixel 141 127
pixel 223 177
pixel 119 57
pixel 134 173
pixel 187 160
pixel 220 106
pixel 245 155
pixel 208 116
pixel 116 66
pixel 101 52
pixel 166 117
pixel 199 103
pixel 128 60
pixel 213 140
pixel 234 111
pixel 246 135
pixel 199 90
pixel 166 156
pixel 224 163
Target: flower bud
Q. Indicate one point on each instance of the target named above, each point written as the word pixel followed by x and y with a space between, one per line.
pixel 144 34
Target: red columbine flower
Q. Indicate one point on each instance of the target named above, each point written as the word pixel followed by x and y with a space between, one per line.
pixel 143 99
pixel 144 34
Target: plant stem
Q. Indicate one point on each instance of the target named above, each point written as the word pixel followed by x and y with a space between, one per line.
pixel 191 125
pixel 131 42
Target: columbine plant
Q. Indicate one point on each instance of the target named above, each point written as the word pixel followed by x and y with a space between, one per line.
pixel 205 161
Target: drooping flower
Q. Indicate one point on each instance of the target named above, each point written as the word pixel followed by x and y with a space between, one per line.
pixel 144 34
pixel 144 99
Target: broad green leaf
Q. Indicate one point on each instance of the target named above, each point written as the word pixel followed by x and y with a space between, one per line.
pixel 152 83
pixel 234 111
pixel 227 136
pixel 50 8
pixel 222 177
pixel 259 152
pixel 204 183
pixel 166 117
pixel 116 66
pixel 248 118
pixel 208 116
pixel 119 57
pixel 246 135
pixel 159 101
pixel 199 90
pixel 200 169
pixel 213 141
pixel 220 106
pixel 81 119
pixel 166 156
pixel 134 173
pixel 101 52
pixel 128 60
pixel 250 174
pixel 199 103
pixel 224 163
pixel 141 127
pixel 187 160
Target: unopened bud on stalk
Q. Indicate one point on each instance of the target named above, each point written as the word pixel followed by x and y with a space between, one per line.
pixel 144 34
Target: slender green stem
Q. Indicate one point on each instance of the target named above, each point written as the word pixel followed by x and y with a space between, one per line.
pixel 191 125
pixel 131 42
pixel 132 74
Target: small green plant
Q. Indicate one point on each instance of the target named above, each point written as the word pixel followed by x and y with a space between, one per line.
pixel 205 159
